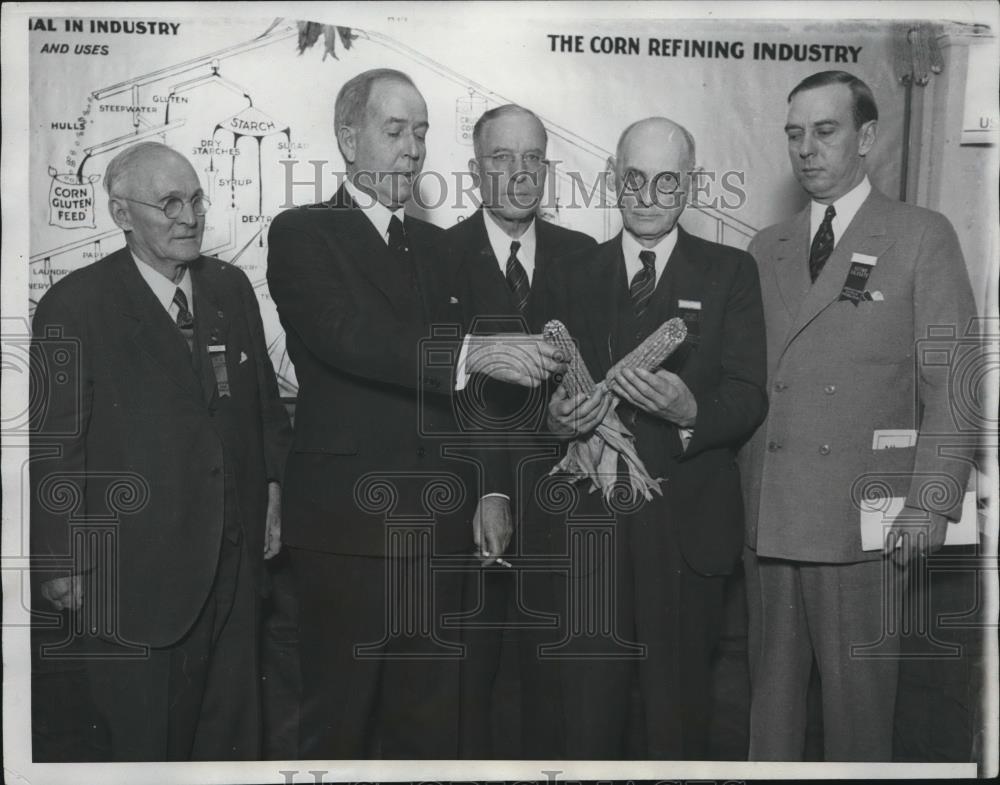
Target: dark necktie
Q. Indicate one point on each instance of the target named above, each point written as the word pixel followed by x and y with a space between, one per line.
pixel 185 321
pixel 822 244
pixel 643 283
pixel 517 278
pixel 397 238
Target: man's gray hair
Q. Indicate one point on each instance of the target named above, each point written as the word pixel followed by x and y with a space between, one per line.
pixel 123 163
pixel 495 114
pixel 352 99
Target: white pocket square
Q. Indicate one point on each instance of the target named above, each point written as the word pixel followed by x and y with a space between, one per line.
pixel 453 300
pixel 243 357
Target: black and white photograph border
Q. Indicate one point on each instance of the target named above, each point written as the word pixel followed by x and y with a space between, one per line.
pixel 941 135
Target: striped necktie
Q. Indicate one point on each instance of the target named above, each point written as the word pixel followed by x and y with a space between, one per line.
pixel 517 278
pixel 185 321
pixel 643 283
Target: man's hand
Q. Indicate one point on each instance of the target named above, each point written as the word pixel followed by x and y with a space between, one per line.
pixel 272 526
pixel 64 593
pixel 570 417
pixel 526 360
pixel 661 394
pixel 917 535
pixel 492 527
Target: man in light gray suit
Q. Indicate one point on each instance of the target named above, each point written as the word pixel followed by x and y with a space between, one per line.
pixel 851 286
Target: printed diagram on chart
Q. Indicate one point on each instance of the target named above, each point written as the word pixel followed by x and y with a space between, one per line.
pixel 200 107
pixel 246 114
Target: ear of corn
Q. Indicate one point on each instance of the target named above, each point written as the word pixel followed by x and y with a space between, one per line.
pixel 595 457
pixel 577 378
pixel 656 348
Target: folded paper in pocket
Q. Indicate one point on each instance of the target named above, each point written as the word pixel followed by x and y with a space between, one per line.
pixel 889 438
pixel 877 520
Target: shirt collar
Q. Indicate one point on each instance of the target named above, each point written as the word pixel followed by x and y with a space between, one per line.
pixel 377 213
pixel 631 249
pixel 846 206
pixel 500 243
pixel 163 288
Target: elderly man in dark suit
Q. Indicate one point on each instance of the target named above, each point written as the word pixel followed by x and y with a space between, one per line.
pixel 851 285
pixel 499 255
pixel 654 590
pixel 358 285
pixel 159 445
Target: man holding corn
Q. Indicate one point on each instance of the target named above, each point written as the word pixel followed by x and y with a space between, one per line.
pixel 499 254
pixel 661 572
pixel 358 285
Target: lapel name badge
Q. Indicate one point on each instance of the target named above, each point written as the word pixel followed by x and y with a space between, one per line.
pixel 855 286
pixel 217 354
pixel 690 313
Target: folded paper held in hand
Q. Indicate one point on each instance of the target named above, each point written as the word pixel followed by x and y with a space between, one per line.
pixel 595 456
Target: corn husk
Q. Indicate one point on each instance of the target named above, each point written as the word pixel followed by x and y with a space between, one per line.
pixel 595 457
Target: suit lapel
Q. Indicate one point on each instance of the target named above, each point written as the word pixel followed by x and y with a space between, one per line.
pixel 367 250
pixel 599 301
pixel 488 282
pixel 791 268
pixel 211 326
pixel 866 234
pixel 152 331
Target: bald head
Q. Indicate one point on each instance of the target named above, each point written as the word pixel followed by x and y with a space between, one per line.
pixel 652 171
pixel 658 133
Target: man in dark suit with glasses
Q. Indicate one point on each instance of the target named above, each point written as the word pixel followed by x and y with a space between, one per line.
pixel 158 448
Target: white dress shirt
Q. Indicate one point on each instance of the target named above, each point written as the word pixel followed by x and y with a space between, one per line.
pixel 631 249
pixel 164 288
pixel 374 210
pixel 633 264
pixel 847 207
pixel 500 243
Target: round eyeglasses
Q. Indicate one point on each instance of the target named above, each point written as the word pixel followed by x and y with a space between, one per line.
pixel 173 206
pixel 664 183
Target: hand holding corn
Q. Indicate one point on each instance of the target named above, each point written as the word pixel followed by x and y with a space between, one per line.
pixel 571 416
pixel 662 394
pixel 586 410
pixel 527 360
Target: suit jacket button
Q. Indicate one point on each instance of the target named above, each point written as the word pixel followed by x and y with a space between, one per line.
pixel 773 446
pixel 421 452
pixel 830 389
pixel 824 449
pixel 780 386
pixel 215 471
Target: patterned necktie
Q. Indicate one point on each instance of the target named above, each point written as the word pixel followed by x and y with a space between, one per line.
pixel 185 321
pixel 397 238
pixel 822 245
pixel 517 278
pixel 643 283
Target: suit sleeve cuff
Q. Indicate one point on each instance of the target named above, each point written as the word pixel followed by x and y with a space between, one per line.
pixel 461 377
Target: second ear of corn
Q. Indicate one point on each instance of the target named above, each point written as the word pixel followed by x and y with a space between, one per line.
pixel 647 356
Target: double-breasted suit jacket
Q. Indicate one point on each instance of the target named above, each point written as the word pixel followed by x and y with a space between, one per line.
pixel 839 371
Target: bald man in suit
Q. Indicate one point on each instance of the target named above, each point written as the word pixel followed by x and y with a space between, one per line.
pixel 662 563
